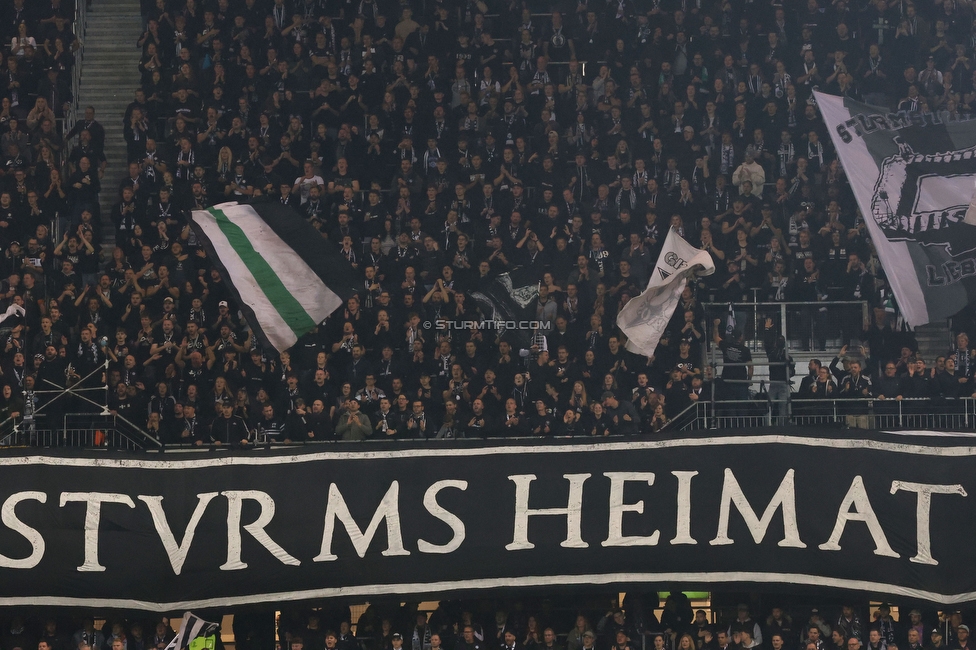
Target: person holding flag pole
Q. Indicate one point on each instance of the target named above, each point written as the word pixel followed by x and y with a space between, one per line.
pixel 644 318
pixel 195 634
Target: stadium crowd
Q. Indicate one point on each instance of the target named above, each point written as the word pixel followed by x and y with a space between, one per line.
pixel 437 145
pixel 457 625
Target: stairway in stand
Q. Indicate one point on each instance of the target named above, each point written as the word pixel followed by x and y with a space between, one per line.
pixel 110 76
pixel 934 340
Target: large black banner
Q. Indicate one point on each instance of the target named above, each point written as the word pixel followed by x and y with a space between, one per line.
pixel 884 513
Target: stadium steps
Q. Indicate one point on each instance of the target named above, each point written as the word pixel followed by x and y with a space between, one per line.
pixel 933 340
pixel 109 78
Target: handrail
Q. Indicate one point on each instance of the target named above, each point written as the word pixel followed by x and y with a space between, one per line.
pixel 886 400
pixel 945 414
pixel 324 443
pixel 146 436
pixel 10 427
pixel 955 414
pixel 817 327
pixel 772 303
pixel 34 432
pixel 79 27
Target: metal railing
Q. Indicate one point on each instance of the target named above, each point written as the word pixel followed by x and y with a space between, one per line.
pixel 98 431
pixel 79 27
pixel 824 325
pixel 910 413
pixel 76 430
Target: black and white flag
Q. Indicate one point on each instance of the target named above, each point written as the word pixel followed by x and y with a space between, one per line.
pixel 730 321
pixel 192 628
pixel 913 176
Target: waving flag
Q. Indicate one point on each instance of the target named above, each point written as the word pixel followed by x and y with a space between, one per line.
pixel 191 629
pixel 507 298
pixel 12 310
pixel 285 276
pixel 913 176
pixel 644 318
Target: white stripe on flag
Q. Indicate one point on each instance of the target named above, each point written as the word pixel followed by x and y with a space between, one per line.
pixel 279 334
pixel 298 278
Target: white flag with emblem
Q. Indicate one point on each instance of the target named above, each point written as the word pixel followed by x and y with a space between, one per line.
pixel 644 318
pixel 912 175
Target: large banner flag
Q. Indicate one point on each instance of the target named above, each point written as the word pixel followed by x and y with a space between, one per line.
pixel 193 628
pixel 914 176
pixel 644 318
pixel 728 510
pixel 286 278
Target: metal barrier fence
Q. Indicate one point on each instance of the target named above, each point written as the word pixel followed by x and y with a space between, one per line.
pixel 79 27
pixel 76 430
pixel 98 431
pixel 825 325
pixel 910 413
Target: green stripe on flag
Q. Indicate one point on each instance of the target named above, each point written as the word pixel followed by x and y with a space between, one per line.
pixel 290 310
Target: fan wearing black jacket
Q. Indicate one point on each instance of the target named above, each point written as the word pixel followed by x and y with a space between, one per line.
pixel 514 424
pixel 304 423
pixel 780 367
pixel 229 429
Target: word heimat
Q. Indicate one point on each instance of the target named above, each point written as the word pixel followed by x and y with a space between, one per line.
pixel 177 538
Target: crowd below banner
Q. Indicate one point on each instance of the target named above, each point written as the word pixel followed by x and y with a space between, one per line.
pixel 513 626
pixel 441 144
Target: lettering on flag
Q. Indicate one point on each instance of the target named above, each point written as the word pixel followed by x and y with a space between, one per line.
pixel 645 317
pixel 912 175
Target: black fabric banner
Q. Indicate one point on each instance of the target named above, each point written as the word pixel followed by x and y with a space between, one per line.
pixel 883 513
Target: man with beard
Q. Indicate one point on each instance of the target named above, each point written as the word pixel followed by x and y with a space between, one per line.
pixel 51 375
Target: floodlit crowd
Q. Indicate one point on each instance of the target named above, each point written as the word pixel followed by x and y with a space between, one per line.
pixel 438 144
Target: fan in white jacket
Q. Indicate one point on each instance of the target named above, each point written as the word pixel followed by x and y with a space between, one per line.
pixel 750 170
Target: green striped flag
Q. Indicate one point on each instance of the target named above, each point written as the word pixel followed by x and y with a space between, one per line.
pixel 276 265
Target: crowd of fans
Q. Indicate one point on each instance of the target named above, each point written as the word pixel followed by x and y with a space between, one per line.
pixel 36 62
pixel 457 625
pixel 438 144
